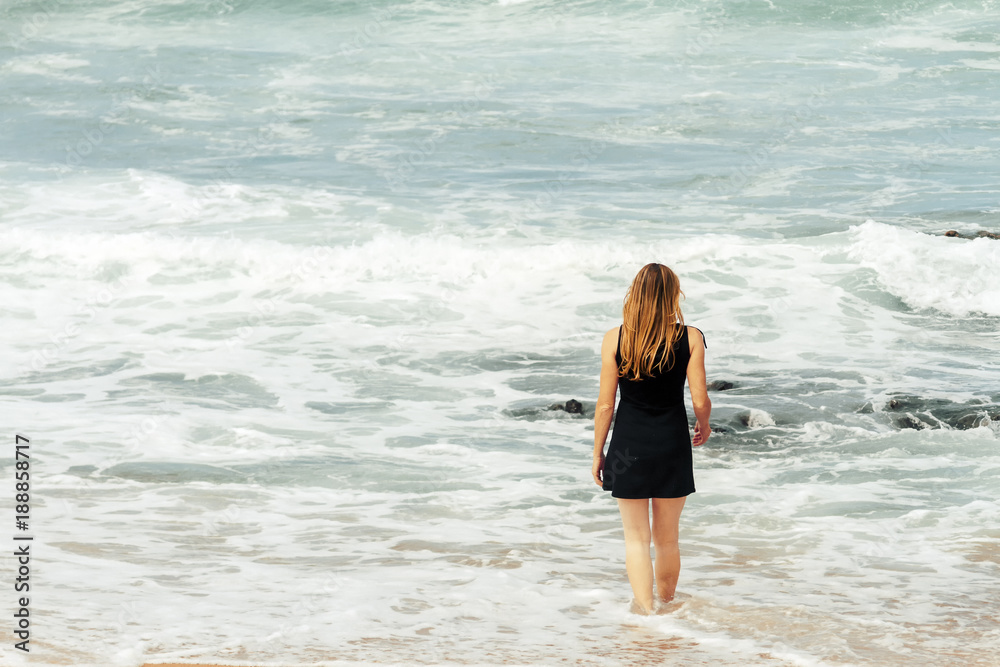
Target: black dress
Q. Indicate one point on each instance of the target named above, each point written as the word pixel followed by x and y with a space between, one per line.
pixel 650 451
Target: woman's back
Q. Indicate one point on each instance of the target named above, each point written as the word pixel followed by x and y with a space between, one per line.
pixel 663 390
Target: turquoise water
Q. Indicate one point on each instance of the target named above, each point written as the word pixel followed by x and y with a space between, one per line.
pixel 289 287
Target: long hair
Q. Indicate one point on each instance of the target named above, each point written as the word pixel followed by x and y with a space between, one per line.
pixel 652 317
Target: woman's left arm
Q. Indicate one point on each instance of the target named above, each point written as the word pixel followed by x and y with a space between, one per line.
pixel 605 409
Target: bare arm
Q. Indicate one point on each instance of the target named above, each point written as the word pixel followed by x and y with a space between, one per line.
pixel 605 409
pixel 699 389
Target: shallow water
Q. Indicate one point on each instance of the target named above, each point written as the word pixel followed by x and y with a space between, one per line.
pixel 289 288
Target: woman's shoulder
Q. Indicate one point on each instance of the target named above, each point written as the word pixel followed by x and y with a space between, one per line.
pixel 610 341
pixel 695 336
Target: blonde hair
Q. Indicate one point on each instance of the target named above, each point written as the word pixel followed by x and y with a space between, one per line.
pixel 651 317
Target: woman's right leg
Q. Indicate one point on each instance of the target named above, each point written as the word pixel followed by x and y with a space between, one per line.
pixel 666 517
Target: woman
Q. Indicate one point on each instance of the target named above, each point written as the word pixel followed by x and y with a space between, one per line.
pixel 649 457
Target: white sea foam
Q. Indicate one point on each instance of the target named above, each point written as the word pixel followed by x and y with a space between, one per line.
pixel 955 276
pixel 53 65
pixel 991 64
pixel 759 419
pixel 284 412
pixel 903 39
pixel 136 199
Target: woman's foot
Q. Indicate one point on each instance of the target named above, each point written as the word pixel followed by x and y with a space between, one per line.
pixel 666 606
pixel 637 608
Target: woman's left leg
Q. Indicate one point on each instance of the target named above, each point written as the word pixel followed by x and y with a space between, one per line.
pixel 638 564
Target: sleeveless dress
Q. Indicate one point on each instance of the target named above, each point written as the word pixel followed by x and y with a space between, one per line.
pixel 650 451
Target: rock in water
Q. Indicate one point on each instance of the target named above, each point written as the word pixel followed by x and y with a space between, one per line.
pixel 907 421
pixel 908 411
pixel 982 233
pixel 572 406
pixel 720 385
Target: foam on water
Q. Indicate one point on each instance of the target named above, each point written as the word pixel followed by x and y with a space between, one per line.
pixel 955 276
pixel 287 335
pixel 383 431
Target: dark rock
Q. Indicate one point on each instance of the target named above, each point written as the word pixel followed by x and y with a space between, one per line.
pixel 572 406
pixel 529 413
pixel 907 402
pixel 906 421
pixel 982 233
pixel 920 413
pixel 976 420
pixel 971 421
pixel 720 385
pixel 720 429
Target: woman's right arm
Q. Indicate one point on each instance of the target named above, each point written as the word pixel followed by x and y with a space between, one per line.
pixel 699 387
pixel 605 408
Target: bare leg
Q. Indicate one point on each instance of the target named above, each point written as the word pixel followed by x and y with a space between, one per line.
pixel 666 516
pixel 635 521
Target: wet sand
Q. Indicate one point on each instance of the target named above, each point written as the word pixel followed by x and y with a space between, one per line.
pixel 181 664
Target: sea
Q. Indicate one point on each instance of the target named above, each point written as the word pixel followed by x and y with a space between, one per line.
pixel 294 293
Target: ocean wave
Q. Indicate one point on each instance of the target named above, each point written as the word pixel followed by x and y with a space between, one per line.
pixel 955 276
